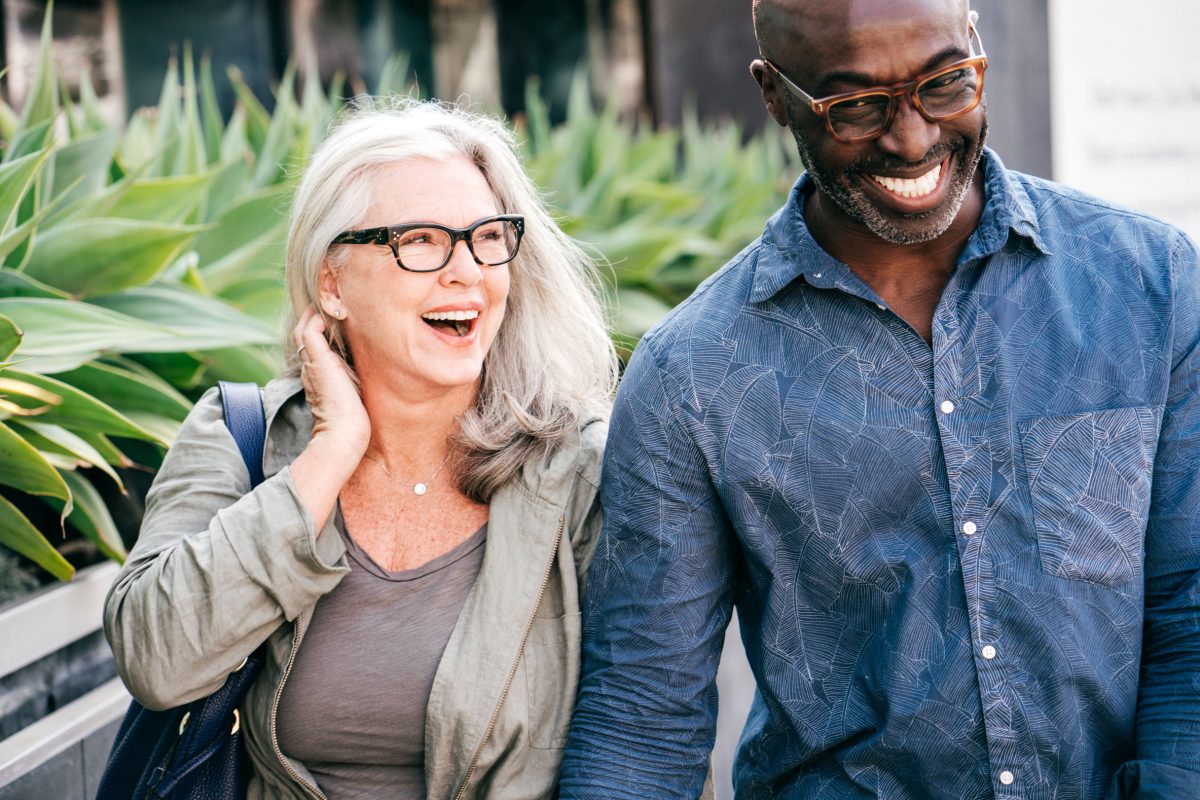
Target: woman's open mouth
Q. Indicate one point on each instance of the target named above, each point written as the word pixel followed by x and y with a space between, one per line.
pixel 453 323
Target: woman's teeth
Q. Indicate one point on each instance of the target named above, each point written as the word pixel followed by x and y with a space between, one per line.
pixel 458 321
pixel 911 187
pixel 450 315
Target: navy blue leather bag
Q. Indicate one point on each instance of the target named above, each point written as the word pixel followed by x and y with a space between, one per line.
pixel 194 752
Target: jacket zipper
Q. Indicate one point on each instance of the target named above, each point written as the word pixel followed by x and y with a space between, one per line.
pixel 512 673
pixel 313 790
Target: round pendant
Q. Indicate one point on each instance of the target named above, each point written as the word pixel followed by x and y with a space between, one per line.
pixel 420 489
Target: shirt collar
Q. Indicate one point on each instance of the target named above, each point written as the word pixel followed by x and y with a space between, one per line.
pixel 788 250
pixel 1007 210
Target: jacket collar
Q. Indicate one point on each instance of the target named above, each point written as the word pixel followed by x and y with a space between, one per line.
pixel 479 664
pixel 289 423
pixel 788 250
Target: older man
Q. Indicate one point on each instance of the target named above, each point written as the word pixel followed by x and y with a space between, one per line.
pixel 937 435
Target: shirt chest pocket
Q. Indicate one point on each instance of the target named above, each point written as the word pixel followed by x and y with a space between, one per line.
pixel 1089 478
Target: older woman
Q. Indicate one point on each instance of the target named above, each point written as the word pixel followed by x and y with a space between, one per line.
pixel 415 557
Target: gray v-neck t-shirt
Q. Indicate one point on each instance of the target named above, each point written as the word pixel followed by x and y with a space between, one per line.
pixel 353 707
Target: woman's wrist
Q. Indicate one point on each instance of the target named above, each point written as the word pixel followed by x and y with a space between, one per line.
pixel 345 444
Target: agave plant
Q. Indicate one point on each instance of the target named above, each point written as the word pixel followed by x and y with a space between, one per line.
pixel 138 265
pixel 665 208
pixel 137 268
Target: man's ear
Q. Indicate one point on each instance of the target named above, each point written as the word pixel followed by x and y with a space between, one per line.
pixel 772 92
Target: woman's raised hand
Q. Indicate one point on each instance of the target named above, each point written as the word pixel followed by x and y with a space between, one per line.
pixel 341 427
pixel 340 422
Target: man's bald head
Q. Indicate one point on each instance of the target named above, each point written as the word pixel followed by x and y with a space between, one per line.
pixel 776 19
pixel 781 25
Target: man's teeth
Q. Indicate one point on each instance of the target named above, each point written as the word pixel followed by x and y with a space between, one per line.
pixel 450 316
pixel 911 187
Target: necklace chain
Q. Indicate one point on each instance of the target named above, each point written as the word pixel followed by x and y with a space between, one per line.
pixel 420 487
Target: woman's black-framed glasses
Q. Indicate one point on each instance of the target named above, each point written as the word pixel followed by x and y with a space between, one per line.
pixel 427 246
pixel 939 96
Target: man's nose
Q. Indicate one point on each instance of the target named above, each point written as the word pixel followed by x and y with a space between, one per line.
pixel 910 136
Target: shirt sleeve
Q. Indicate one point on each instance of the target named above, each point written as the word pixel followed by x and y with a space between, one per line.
pixel 658 601
pixel 217 567
pixel 1168 712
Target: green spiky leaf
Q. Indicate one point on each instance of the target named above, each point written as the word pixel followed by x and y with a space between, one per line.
pixel 90 256
pixel 18 533
pixel 42 104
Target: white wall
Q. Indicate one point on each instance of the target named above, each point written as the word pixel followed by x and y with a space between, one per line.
pixel 1125 94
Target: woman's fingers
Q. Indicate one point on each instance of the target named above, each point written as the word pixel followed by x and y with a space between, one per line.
pixel 309 336
pixel 297 332
pixel 329 385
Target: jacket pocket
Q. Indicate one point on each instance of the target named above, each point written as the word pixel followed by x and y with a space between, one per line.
pixel 551 666
pixel 1089 479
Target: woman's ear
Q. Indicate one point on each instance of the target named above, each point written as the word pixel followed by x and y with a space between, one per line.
pixel 329 295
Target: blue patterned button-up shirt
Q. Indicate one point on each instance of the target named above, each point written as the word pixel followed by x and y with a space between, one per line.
pixel 965 570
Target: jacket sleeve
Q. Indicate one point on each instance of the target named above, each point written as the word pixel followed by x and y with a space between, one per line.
pixel 216 567
pixel 658 601
pixel 1168 713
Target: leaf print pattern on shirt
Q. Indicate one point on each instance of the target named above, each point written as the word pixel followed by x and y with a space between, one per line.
pixel 1089 480
pixel 950 561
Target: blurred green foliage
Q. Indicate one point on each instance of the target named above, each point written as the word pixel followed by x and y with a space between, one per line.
pixel 139 265
pixel 664 207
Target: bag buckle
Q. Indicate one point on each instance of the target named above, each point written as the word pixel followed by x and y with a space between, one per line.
pixel 237 722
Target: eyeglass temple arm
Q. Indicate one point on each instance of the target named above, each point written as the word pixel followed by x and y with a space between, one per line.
pixel 365 236
pixel 803 95
pixel 973 17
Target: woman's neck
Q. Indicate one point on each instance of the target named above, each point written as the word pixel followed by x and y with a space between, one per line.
pixel 410 432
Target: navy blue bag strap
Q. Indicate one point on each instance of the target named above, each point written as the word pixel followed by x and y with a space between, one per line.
pixel 246 420
pixel 195 752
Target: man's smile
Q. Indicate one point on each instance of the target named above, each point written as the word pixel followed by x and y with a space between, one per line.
pixel 911 187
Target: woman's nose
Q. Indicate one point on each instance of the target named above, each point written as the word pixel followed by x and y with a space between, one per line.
pixel 462 267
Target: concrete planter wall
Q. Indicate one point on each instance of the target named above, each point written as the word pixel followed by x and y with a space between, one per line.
pixel 60 702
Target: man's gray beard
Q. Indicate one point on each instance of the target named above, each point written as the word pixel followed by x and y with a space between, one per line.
pixel 858 206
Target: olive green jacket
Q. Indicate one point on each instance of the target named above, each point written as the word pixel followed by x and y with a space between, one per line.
pixel 218 569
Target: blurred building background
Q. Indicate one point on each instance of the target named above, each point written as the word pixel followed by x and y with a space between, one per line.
pixel 1079 90
pixel 651 56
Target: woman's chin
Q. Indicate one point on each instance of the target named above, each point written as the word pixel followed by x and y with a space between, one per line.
pixel 448 375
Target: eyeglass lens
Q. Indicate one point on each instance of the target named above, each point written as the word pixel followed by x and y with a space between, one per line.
pixel 940 96
pixel 494 242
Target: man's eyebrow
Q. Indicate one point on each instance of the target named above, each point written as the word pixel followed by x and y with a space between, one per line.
pixel 843 77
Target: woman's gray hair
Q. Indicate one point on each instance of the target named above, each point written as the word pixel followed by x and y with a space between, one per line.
pixel 552 363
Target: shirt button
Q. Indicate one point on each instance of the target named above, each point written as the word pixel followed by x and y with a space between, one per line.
pixel 947 407
pixel 816 274
pixel 1006 777
pixel 989 653
pixel 969 528
pixel 881 306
